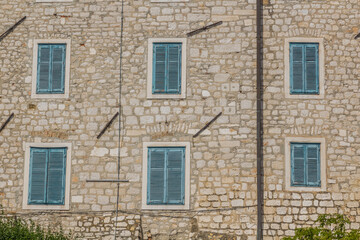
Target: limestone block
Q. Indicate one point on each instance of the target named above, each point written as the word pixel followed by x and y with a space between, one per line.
pixel 99 152
pixel 77 199
pixel 245 12
pixel 227 48
pixel 237 202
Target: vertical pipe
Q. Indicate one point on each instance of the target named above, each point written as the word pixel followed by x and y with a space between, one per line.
pixel 259 117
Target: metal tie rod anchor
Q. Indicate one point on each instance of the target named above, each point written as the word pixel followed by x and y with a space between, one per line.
pixel 207 125
pixel 203 29
pixel 107 125
pixel 106 180
pixel 11 29
pixel 6 122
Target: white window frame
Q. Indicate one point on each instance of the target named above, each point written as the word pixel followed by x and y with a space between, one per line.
pixel 151 41
pixel 320 41
pixel 67 68
pixel 186 204
pixel 66 205
pixel 323 165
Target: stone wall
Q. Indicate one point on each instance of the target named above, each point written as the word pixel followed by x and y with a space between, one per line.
pixel 221 77
pixel 333 117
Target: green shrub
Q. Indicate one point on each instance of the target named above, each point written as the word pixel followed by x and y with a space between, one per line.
pixel 14 228
pixel 330 227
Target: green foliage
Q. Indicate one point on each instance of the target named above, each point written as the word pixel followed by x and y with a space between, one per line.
pixel 330 227
pixel 14 228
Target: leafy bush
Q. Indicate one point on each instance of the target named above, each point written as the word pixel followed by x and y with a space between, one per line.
pixel 14 228
pixel 330 227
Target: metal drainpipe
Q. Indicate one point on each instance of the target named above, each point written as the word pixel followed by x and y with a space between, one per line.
pixel 259 117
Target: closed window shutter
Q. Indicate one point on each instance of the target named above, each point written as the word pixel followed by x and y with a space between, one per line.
pixel 174 69
pixel 43 69
pixel 304 68
pixel 305 164
pixel 166 68
pixel 297 164
pixel 313 165
pixel 159 68
pixel 38 176
pixel 156 176
pixel 58 68
pixel 56 176
pixel 296 69
pixel 311 66
pixel 51 68
pixel 175 174
pixel 166 175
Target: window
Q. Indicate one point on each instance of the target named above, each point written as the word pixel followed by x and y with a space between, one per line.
pixel 51 69
pixel 166 77
pixel 166 68
pixel 304 68
pixel 305 164
pixel 166 176
pixel 47 176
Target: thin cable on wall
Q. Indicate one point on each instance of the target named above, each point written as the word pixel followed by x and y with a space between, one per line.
pixel 120 114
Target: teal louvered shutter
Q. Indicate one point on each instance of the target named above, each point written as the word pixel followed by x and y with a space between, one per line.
pixel 43 68
pixel 156 176
pixel 296 69
pixel 166 68
pixel 313 165
pixel 51 68
pixel 37 176
pixel 166 175
pixel 175 175
pixel 297 165
pixel 159 68
pixel 174 69
pixel 304 68
pixel 58 68
pixel 56 176
pixel 305 164
pixel 312 68
pixel 47 175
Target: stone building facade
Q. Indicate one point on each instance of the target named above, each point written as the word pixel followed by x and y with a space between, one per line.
pixel 328 118
pixel 218 75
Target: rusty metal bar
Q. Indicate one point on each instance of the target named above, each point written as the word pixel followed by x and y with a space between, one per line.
pixel 11 29
pixel 107 125
pixel 203 29
pixel 207 125
pixel 6 122
pixel 357 36
pixel 107 180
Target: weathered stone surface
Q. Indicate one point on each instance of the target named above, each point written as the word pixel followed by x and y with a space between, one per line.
pixel 221 77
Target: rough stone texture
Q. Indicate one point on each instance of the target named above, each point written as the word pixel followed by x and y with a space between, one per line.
pixel 221 75
pixel 334 117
